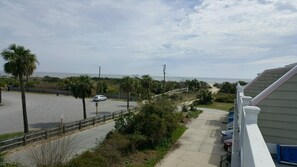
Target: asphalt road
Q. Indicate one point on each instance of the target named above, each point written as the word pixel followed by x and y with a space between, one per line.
pixel 45 110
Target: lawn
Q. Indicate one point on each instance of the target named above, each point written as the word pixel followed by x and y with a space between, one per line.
pixel 10 135
pixel 195 113
pixel 218 105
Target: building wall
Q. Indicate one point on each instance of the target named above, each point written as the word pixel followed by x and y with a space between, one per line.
pixel 278 116
pixel 266 79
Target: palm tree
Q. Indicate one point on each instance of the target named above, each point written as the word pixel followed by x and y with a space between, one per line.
pixel 127 85
pixel 146 84
pixel 82 87
pixel 20 63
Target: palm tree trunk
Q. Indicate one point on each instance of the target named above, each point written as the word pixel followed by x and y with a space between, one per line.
pixel 84 108
pixel 128 99
pixel 25 118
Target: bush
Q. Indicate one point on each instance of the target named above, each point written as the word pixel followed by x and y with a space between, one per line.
pixel 51 79
pixel 184 108
pixel 6 164
pixel 217 85
pixel 204 97
pixel 53 153
pixel 192 107
pixel 225 98
pixel 228 87
pixel 155 122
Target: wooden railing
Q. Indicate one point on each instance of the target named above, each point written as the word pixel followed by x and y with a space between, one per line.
pixel 65 128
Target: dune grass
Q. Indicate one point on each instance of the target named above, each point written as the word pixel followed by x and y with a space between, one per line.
pixel 10 135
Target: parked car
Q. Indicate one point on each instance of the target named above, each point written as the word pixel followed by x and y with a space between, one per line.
pixel 227 134
pixel 230 118
pixel 227 144
pixel 230 125
pixel 99 98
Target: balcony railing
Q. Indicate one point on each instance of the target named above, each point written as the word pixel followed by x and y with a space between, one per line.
pixel 249 148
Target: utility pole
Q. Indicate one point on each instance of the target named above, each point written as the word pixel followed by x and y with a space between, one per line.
pixel 99 71
pixel 164 68
pixel 99 74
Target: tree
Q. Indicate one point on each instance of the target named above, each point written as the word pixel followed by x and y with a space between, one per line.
pixel 128 85
pixel 20 63
pixel 228 87
pixel 146 84
pixel 193 85
pixel 2 84
pixel 82 87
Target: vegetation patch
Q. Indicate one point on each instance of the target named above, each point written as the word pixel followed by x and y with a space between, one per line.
pixel 194 113
pixel 140 139
pixel 219 106
pixel 10 135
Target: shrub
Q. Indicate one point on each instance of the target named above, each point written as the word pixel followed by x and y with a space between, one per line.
pixel 192 107
pixel 205 97
pixel 228 87
pixel 217 85
pixel 53 153
pixel 184 108
pixel 225 98
pixel 155 123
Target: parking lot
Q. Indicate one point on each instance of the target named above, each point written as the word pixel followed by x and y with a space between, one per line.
pixel 45 110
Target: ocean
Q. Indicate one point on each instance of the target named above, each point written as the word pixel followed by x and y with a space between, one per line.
pixel 168 78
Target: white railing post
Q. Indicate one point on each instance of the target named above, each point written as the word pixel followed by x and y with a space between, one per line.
pixel 254 151
pixel 238 99
pixel 250 115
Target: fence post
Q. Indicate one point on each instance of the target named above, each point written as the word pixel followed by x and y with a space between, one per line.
pixel 46 134
pixel 24 140
pixel 103 118
pixel 63 129
pixel 93 121
pixel 79 125
pixel 113 115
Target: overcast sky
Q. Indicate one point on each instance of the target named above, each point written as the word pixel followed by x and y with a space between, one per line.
pixel 194 38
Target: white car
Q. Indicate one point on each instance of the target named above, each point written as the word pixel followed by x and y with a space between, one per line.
pixel 99 98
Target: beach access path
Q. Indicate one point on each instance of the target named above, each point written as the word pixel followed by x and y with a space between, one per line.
pixel 201 144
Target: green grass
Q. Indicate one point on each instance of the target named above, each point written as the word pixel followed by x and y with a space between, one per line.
pixel 10 135
pixel 195 113
pixel 218 105
pixel 162 151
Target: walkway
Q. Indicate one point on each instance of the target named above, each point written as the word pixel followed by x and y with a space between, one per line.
pixel 83 140
pixel 201 144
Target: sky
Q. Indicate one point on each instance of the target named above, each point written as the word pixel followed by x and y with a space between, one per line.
pixel 194 38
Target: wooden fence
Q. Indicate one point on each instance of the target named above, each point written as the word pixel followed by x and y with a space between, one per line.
pixel 66 128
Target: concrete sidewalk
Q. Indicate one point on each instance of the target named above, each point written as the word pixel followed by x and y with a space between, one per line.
pixel 83 140
pixel 201 144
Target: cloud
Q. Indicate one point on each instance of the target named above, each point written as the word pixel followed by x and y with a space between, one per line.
pixel 195 38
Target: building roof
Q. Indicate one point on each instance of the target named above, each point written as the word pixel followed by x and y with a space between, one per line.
pixel 275 85
pixel 265 79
